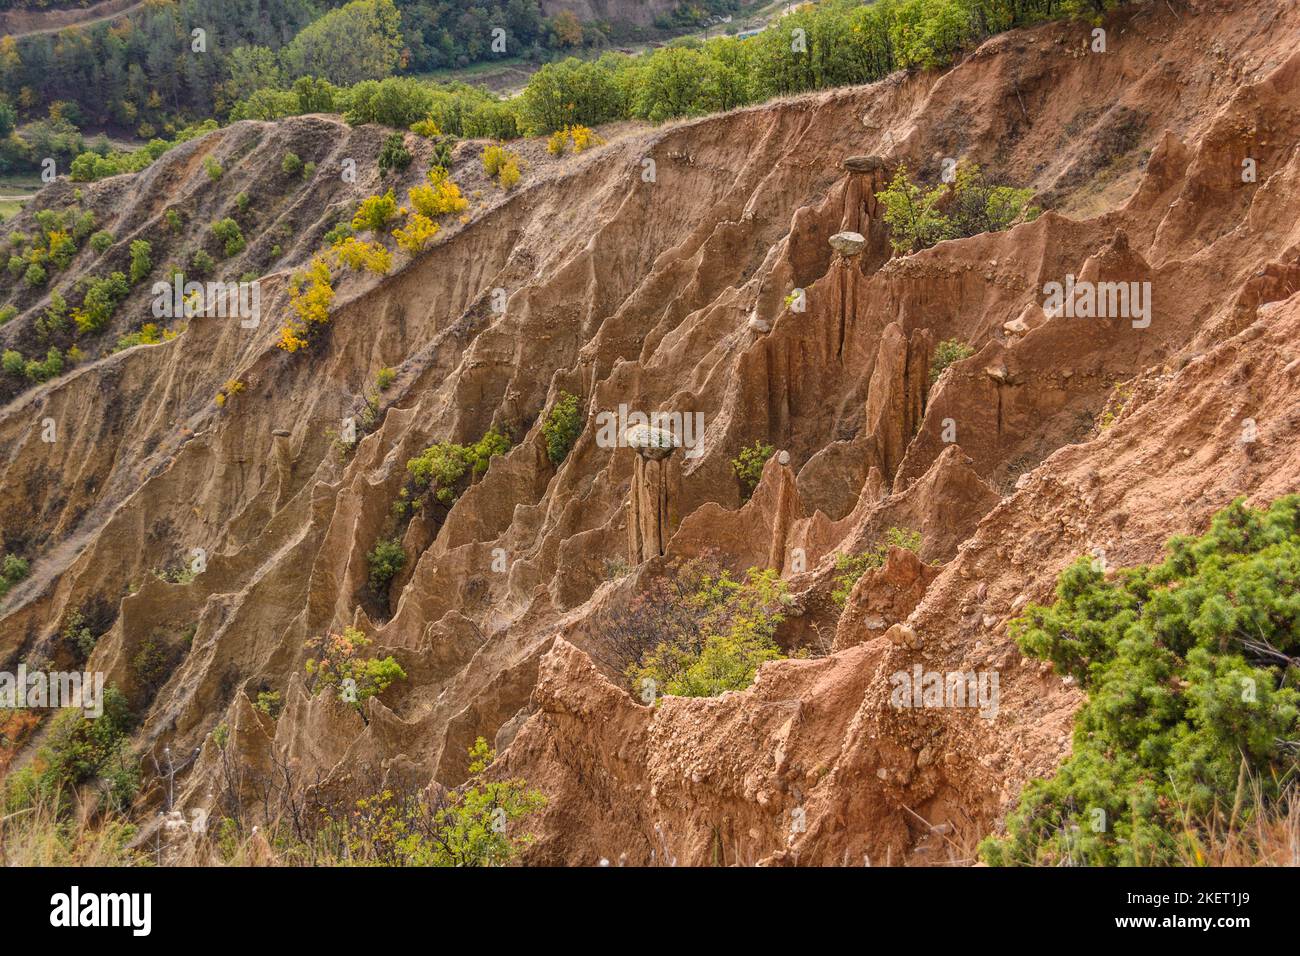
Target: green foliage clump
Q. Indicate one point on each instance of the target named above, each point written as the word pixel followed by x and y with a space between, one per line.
pixel 213 168
pixel 12 362
pixel 918 218
pixel 141 262
pixel 7 312
pixel 469 827
pixel 748 465
pixel 12 570
pixel 78 635
pixel 850 567
pixel 729 630
pixel 150 666
pixel 268 702
pixel 202 263
pixel 358 41
pixel 562 427
pixel 77 751
pixel 945 353
pixel 100 241
pixel 291 165
pixel 386 560
pixel 37 370
pixel 441 468
pixel 232 238
pixel 1189 666
pixel 384 378
pixel 342 666
pixel 393 155
pixel 103 295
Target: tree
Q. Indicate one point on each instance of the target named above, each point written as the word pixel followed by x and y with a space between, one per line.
pixel 359 41
pixel 912 214
pixel 566 29
pixel 249 69
pixel 672 84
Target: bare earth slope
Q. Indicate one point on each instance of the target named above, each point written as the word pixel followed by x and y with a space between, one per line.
pixel 671 295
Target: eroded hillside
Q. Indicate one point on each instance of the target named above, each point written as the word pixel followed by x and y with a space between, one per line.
pixel 671 293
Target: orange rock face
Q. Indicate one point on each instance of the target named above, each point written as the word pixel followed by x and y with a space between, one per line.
pixel 680 296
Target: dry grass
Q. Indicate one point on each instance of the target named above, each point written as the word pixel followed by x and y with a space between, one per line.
pixel 1259 833
pixel 41 836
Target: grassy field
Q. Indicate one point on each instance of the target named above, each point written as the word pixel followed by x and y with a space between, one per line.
pixel 16 190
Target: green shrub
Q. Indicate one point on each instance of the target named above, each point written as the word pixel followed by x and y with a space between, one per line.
pixel 101 240
pixel 141 263
pixel 374 213
pixel 342 666
pixel 78 636
pixel 730 631
pixel 919 218
pixel 1189 667
pixel 228 231
pixel 441 468
pixel 291 164
pixel 562 427
pixel 12 362
pixel 393 155
pixel 201 263
pixel 42 371
pixel 213 168
pixel 150 666
pixel 386 561
pixel 850 567
pixel 78 750
pixel 268 702
pixel 470 826
pixel 385 378
pixel 945 353
pixel 748 466
pixel 7 312
pixel 12 570
pixel 35 275
pixel 100 301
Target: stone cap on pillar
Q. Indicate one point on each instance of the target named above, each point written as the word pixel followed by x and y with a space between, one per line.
pixel 848 243
pixel 651 443
pixel 281 433
pixel 863 164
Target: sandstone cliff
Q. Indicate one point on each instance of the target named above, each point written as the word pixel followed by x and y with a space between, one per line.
pixel 672 295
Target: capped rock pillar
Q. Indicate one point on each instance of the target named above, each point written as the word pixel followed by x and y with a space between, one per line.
pixel 844 279
pixel 656 483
